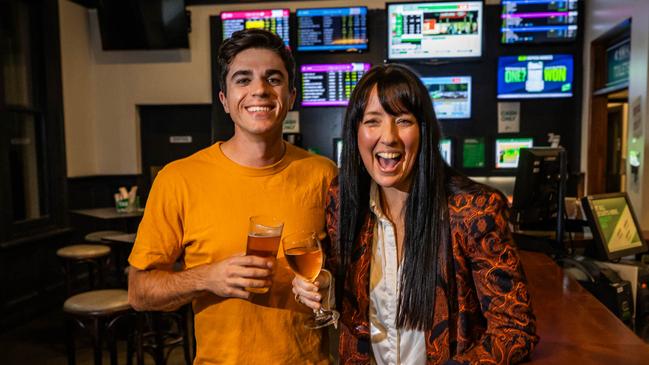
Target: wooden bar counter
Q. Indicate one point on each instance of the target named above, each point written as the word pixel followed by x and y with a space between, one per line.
pixel 575 328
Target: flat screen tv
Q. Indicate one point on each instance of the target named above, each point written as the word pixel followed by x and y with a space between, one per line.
pixel 538 76
pixel 330 84
pixel 451 96
pixel 274 20
pixel 614 226
pixel 143 24
pixel 434 30
pixel 508 151
pixel 538 21
pixel 332 29
pixel 446 148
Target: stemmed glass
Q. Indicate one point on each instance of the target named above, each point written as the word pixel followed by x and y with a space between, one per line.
pixel 303 253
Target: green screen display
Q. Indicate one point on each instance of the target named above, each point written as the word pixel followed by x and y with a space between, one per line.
pixel 473 153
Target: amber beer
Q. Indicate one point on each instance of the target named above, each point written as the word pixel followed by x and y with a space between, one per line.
pixel 305 261
pixel 264 235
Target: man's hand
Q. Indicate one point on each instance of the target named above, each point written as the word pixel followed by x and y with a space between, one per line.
pixel 229 277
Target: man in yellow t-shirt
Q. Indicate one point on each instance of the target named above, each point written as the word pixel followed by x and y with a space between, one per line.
pixel 198 212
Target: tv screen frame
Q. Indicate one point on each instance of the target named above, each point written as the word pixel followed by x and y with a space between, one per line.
pixel 446 149
pixel 257 13
pixel 314 12
pixel 602 249
pixel 442 49
pixel 519 68
pixel 132 25
pixel 327 68
pixel 524 142
pixel 439 80
pixel 505 27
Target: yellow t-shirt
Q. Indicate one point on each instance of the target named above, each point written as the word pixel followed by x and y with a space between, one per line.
pixel 198 208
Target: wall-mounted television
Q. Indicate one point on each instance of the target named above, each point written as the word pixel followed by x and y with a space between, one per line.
pixel 332 29
pixel 274 20
pixel 451 96
pixel 538 21
pixel 508 151
pixel 446 148
pixel 143 24
pixel 434 30
pixel 535 76
pixel 330 84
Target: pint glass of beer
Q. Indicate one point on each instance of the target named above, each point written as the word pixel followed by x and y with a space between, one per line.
pixel 264 233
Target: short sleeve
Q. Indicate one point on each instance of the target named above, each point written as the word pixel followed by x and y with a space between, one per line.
pixel 160 234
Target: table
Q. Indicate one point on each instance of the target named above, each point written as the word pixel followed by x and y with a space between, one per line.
pixel 108 218
pixel 575 328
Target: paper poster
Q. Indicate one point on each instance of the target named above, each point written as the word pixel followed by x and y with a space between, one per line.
pixel 509 117
pixel 291 123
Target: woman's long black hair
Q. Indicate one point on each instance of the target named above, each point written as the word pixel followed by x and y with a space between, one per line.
pixel 427 231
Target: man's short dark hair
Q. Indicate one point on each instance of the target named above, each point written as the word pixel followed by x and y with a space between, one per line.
pixel 253 38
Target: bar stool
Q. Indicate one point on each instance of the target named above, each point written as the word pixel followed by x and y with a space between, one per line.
pixel 97 312
pixel 157 336
pixel 95 256
pixel 97 236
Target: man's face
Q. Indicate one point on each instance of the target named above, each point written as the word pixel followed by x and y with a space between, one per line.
pixel 258 95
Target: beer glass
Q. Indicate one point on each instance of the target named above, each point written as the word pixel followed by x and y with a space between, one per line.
pixel 303 253
pixel 264 233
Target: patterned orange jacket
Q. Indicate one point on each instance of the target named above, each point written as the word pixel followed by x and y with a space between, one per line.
pixel 493 322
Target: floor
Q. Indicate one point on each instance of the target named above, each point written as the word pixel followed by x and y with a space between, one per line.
pixel 40 342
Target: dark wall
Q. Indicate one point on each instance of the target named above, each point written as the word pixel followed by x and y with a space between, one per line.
pixel 319 125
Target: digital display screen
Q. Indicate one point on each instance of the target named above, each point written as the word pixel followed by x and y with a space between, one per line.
pixel 616 223
pixel 275 20
pixel 473 155
pixel 451 96
pixel 330 84
pixel 332 29
pixel 508 151
pixel 446 148
pixel 538 21
pixel 434 30
pixel 539 76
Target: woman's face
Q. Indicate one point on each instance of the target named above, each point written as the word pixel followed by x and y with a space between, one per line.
pixel 388 144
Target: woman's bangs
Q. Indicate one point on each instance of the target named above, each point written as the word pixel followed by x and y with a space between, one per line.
pixel 397 96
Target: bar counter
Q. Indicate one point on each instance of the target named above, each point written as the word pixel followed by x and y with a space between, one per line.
pixel 575 328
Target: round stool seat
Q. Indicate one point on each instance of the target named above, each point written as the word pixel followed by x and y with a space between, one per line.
pixel 81 252
pixel 98 302
pixel 97 236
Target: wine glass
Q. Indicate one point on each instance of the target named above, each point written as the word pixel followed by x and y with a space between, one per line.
pixel 303 253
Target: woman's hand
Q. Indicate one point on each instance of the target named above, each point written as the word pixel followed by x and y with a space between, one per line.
pixel 309 293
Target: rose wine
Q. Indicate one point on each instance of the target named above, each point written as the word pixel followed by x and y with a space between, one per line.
pixel 305 261
pixel 262 246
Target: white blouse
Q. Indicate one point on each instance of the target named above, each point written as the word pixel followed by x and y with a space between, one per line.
pixel 390 345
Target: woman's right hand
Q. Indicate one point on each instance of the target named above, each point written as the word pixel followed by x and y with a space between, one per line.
pixel 307 293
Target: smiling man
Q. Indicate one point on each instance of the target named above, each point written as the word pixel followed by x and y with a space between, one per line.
pixel 198 210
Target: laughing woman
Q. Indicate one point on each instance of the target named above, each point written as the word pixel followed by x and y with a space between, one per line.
pixel 426 268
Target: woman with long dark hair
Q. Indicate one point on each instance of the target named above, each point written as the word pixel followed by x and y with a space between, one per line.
pixel 426 270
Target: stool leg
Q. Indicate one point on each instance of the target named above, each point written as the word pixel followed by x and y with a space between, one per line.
pixel 112 344
pixel 158 348
pixel 139 338
pixel 91 275
pixel 96 340
pixel 183 328
pixel 69 341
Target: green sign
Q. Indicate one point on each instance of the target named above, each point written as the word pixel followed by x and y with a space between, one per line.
pixel 617 63
pixel 473 153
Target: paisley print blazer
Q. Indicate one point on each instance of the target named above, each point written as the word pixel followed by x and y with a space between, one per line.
pixel 492 322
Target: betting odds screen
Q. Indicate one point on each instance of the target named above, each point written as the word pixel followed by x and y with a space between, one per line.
pixel 435 30
pixel 451 96
pixel 275 20
pixel 538 21
pixel 330 84
pixel 332 29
